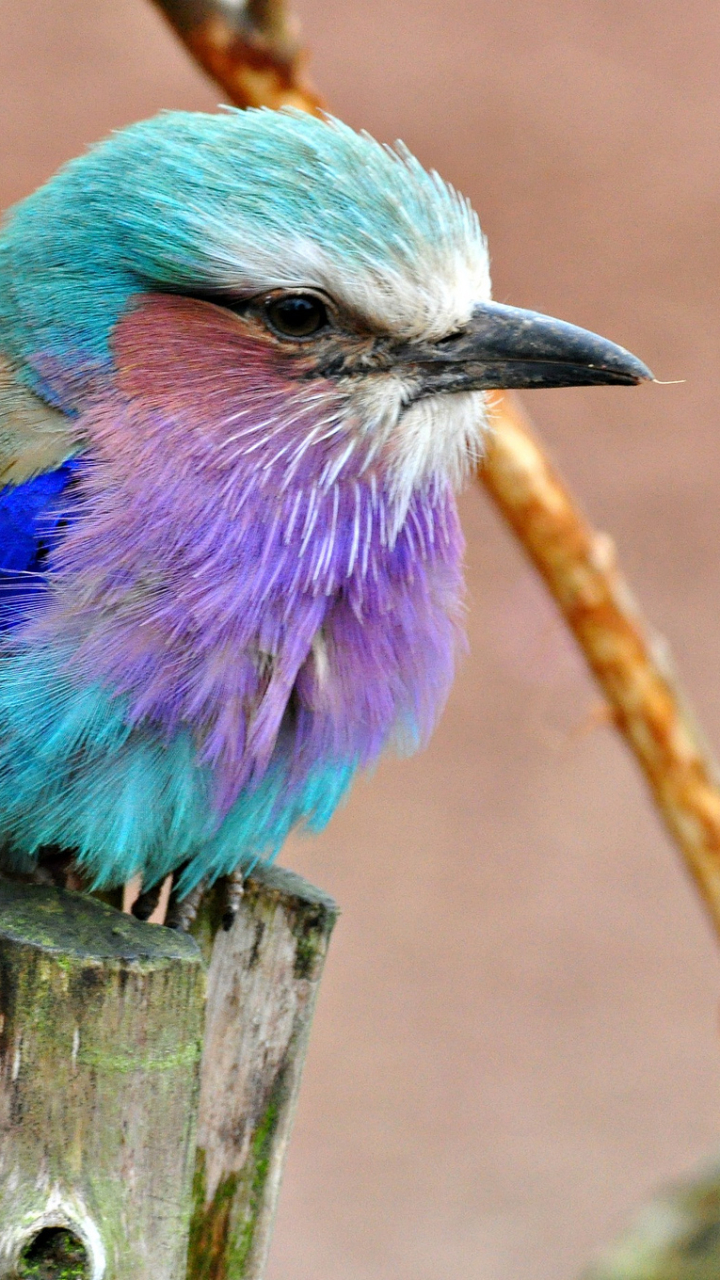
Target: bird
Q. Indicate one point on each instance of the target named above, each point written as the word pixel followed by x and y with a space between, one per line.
pixel 244 359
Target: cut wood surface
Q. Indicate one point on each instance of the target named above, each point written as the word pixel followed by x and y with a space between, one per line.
pixel 100 1043
pixel 262 985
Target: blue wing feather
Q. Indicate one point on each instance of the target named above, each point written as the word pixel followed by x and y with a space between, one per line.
pixel 32 514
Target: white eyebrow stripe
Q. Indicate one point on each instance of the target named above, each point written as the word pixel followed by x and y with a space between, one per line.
pixel 425 293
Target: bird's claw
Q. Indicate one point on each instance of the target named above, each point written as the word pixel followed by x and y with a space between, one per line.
pixel 56 866
pixel 146 902
pixel 234 888
pixel 182 912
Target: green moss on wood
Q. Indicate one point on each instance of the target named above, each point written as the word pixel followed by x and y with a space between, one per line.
pixel 259 1168
pixel 79 926
pixel 53 994
pixel 222 1232
pixel 311 929
pixel 210 1225
pixel 130 1060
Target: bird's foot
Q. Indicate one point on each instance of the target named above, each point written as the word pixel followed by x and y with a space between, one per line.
pixel 234 888
pixel 40 875
pixel 56 866
pixel 182 911
pixel 146 902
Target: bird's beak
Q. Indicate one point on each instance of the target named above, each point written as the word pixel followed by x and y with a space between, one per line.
pixel 507 347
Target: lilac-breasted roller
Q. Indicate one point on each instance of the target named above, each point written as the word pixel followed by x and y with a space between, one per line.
pixel 243 359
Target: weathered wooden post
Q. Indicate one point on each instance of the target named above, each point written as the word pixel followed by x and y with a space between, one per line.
pixel 101 1035
pixel 100 1042
pixel 262 984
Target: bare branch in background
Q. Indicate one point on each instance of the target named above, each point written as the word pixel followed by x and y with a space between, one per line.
pixel 252 48
pixel 253 51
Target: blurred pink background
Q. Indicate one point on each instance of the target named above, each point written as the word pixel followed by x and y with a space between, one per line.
pixel 517 1034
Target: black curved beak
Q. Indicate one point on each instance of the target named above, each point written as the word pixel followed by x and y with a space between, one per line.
pixel 508 347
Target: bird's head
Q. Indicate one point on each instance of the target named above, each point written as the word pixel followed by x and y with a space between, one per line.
pixel 294 258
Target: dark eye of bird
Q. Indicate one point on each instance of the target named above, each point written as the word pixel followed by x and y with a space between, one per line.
pixel 299 315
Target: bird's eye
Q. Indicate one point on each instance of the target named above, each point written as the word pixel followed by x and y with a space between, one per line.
pixel 297 315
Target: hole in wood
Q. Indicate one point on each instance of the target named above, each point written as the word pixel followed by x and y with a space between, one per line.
pixel 54 1254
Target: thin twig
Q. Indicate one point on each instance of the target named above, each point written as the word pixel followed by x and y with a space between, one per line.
pixel 630 662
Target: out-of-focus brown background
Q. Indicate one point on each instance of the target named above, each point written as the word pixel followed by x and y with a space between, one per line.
pixel 518 1032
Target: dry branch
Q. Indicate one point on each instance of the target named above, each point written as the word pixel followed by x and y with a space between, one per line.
pixel 251 48
pixel 579 567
